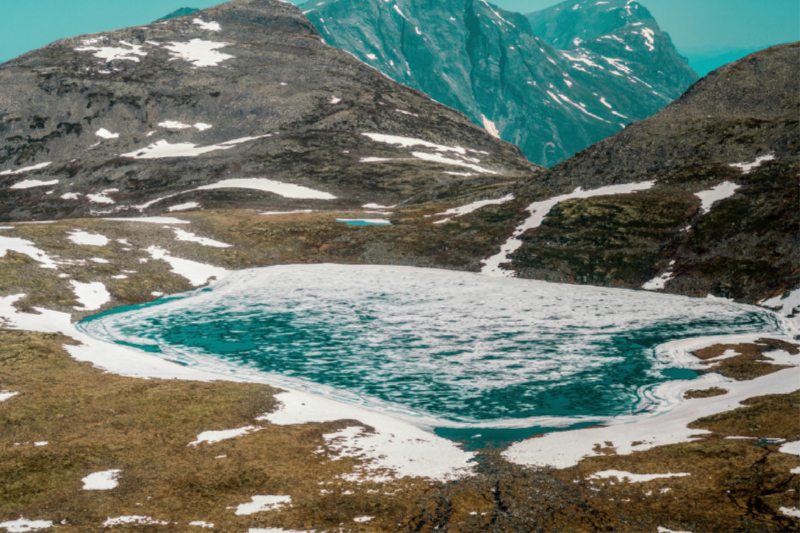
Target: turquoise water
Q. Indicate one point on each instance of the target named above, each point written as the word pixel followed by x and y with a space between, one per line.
pixel 363 222
pixel 462 348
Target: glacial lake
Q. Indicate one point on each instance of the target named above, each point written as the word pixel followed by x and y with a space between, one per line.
pixel 469 354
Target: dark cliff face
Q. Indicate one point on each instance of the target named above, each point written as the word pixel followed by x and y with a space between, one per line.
pixel 246 89
pixel 493 66
pixel 745 246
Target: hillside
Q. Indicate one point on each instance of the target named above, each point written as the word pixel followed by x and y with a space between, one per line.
pixel 734 133
pixel 551 100
pixel 140 120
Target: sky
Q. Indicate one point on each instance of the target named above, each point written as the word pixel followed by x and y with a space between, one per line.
pixel 697 27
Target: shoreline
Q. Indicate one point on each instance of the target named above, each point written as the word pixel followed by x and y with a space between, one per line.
pixel 453 459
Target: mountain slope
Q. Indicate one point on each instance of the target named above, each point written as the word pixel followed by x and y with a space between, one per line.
pixel 722 217
pixel 143 119
pixel 492 65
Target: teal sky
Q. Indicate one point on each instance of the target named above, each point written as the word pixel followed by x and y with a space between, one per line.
pixel 698 27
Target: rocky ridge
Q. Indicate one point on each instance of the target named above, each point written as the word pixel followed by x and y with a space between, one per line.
pixel 550 97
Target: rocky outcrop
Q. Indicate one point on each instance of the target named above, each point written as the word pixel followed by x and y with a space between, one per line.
pixel 145 119
pixel 551 96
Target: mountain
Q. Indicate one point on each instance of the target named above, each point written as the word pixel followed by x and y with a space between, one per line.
pixel 722 217
pixel 182 12
pixel 142 119
pixel 550 100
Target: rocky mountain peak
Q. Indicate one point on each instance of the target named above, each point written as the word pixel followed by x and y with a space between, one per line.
pixel 493 66
pixel 568 24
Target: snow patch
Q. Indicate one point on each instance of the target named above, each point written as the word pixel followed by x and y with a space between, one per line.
pixel 474 206
pixel 715 194
pixel 183 207
pixel 23 525
pixel 659 282
pixel 22 246
pixel 105 134
pixel 792 448
pixel 396 448
pixel 263 503
pixel 191 237
pixel 91 296
pixel 633 478
pixel 110 53
pixel 25 169
pixel 197 273
pixel 436 158
pixel 140 520
pixel 490 127
pixel 200 523
pixel 794 512
pixel 287 190
pixel 162 149
pixel 208 26
pixel 105 480
pixel 333 100
pixel 28 184
pixel 198 52
pixel 212 437
pixel 175 125
pixel 102 198
pixel 87 239
pixel 152 220
pixel 747 168
pixel 5 395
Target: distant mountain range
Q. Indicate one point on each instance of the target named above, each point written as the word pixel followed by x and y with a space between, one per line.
pixel 553 83
pixel 182 12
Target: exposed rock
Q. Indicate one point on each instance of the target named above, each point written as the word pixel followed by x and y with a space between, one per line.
pixel 551 96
